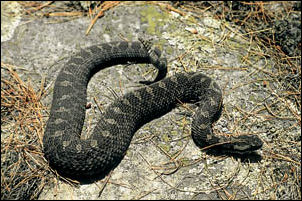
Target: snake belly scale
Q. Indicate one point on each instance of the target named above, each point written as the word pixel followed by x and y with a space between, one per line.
pixel 111 137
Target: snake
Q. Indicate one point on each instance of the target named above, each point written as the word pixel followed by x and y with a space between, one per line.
pixel 104 149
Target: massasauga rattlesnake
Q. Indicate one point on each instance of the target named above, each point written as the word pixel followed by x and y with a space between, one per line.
pixel 111 137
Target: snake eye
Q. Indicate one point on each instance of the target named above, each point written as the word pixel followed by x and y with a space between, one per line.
pixel 247 143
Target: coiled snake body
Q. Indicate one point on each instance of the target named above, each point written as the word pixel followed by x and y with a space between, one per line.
pixel 111 137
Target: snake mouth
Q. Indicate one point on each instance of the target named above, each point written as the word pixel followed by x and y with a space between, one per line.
pixel 241 145
pixel 249 145
pixel 235 151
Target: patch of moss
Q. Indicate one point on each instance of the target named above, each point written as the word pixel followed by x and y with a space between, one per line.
pixel 154 18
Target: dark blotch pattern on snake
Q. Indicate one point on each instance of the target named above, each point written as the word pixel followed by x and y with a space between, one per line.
pixel 111 137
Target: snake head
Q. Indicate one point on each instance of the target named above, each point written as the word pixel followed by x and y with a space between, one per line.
pixel 244 144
